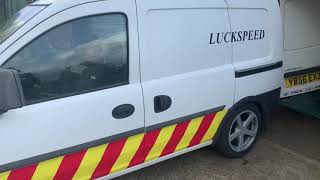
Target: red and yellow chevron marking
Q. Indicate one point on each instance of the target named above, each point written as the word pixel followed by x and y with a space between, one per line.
pixel 109 158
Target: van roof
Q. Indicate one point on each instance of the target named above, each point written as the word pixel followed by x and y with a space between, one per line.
pixel 44 2
pixel 55 6
pixel 58 2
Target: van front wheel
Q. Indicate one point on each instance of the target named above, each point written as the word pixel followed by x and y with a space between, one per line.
pixel 240 132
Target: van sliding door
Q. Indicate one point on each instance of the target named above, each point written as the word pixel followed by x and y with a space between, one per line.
pixel 187 77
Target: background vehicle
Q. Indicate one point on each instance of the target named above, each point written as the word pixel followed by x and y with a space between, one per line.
pixel 301 28
pixel 101 88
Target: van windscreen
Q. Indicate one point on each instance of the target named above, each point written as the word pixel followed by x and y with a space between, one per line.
pixel 18 20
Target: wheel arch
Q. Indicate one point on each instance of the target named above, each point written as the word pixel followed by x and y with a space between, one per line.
pixel 265 102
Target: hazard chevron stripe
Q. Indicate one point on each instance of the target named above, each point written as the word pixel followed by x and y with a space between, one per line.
pixel 108 159
pixel 175 138
pixel 161 142
pixel 47 169
pixel 69 165
pixel 90 162
pixel 4 175
pixel 214 126
pixel 99 161
pixel 204 126
pixel 23 173
pixel 189 134
pixel 127 153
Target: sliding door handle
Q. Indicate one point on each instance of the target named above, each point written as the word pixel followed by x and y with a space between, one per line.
pixel 162 103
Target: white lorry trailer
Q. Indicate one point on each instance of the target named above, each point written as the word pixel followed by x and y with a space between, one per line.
pixel 301 27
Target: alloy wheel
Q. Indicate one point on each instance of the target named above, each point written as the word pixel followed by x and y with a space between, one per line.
pixel 243 131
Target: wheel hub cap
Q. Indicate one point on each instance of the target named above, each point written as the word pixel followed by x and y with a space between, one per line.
pixel 243 131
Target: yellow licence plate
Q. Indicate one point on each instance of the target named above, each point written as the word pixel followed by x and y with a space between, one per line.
pixel 302 79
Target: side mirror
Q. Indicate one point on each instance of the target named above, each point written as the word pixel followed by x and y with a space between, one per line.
pixel 11 94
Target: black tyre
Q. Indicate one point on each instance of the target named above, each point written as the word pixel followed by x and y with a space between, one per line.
pixel 240 131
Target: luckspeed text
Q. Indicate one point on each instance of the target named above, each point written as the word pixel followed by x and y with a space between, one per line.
pixel 236 36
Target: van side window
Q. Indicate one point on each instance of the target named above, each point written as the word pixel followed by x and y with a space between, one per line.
pixel 80 56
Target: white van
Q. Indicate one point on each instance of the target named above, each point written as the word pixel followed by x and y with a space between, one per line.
pixel 99 88
pixel 301 27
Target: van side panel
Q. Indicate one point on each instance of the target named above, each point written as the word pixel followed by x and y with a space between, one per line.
pixel 177 59
pixel 176 41
pixel 254 35
pixel 257 55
